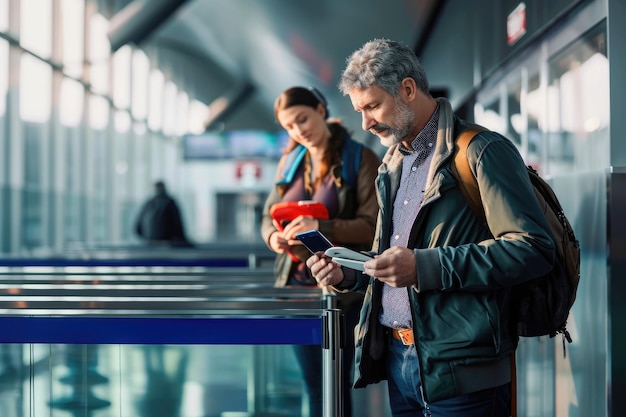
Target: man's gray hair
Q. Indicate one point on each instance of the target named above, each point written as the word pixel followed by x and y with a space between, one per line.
pixel 385 63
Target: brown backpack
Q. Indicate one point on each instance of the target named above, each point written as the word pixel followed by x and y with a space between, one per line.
pixel 540 306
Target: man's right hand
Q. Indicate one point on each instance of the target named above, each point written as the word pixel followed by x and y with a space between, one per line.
pixel 325 271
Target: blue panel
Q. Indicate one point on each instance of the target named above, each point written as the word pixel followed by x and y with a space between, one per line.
pixel 154 330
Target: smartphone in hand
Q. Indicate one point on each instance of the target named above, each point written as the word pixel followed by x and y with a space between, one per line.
pixel 314 241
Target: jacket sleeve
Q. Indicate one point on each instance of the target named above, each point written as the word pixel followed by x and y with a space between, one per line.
pixel 521 247
pixel 267 227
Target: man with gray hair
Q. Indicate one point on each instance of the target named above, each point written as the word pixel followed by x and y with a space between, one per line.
pixel 435 322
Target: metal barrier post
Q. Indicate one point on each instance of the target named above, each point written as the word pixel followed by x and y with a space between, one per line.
pixel 332 360
pixel 252 261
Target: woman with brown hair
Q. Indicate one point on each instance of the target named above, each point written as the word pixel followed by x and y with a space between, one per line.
pixel 324 164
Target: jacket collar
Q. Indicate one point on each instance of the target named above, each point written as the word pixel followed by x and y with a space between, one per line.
pixel 444 148
pixel 446 137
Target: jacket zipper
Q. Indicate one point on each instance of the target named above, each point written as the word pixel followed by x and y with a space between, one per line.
pixel 413 301
pixel 426 406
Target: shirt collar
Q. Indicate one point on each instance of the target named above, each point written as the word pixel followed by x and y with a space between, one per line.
pixel 427 134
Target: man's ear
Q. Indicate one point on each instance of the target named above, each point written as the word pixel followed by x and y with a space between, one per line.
pixel 408 89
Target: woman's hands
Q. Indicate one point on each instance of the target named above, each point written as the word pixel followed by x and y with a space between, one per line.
pixel 281 241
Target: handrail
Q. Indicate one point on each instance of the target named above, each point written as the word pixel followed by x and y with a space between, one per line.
pixel 205 256
pixel 130 262
pixel 136 274
pixel 87 295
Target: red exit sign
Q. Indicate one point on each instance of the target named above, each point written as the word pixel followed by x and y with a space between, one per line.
pixel 516 24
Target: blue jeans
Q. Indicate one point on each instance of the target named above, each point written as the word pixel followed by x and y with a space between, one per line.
pixel 406 399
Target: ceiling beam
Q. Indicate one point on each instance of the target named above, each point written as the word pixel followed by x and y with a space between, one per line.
pixel 431 21
pixel 138 19
pixel 224 106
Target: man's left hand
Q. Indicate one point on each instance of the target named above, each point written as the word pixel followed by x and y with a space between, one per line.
pixel 395 266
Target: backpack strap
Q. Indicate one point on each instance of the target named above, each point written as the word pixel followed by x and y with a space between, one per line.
pixel 351 160
pixel 463 173
pixel 292 163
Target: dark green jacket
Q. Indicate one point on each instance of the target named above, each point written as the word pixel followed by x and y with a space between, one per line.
pixel 460 303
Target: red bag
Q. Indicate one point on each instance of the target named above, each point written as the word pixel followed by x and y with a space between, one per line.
pixel 286 211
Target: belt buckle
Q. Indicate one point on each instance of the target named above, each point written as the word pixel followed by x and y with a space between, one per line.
pixel 406 336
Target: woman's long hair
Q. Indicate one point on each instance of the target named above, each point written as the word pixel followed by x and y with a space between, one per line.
pixel 303 96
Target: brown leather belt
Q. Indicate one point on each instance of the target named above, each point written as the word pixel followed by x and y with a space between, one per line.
pixel 404 335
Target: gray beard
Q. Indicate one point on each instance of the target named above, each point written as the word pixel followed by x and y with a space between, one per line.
pixel 404 119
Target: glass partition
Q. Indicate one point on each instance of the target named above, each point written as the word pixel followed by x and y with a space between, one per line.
pixel 91 350
pixel 150 380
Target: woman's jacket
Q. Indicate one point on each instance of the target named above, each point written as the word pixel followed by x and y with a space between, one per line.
pixel 354 225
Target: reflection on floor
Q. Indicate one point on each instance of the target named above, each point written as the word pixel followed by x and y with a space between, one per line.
pixel 159 381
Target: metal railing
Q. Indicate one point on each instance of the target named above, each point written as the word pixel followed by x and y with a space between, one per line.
pixel 158 309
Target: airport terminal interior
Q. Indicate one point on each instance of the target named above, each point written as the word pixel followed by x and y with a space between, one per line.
pixel 101 99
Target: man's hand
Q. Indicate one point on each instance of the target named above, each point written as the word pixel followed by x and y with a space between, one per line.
pixel 395 266
pixel 325 271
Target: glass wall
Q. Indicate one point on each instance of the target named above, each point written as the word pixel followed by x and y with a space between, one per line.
pixel 578 110
pixel 83 131
pixel 4 140
pixel 555 109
